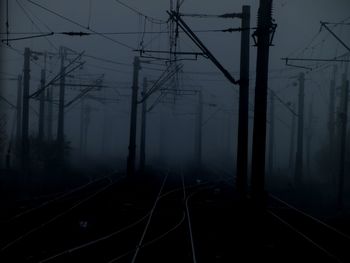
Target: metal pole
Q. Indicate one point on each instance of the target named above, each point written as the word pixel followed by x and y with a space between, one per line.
pixel 82 121
pixel 19 114
pixel 60 126
pixel 143 128
pixel 162 137
pixel 87 117
pixel 133 119
pixel 259 133
pixel 300 139
pixel 271 133
pixel 198 135
pixel 343 115
pixel 42 106
pixel 331 120
pixel 25 111
pixel 242 147
pixel 104 130
pixel 49 113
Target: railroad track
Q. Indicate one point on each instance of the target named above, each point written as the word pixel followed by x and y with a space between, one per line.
pixel 281 226
pixel 331 243
pixel 168 234
pixel 150 237
pixel 120 216
pixel 174 220
pixel 42 202
pixel 24 226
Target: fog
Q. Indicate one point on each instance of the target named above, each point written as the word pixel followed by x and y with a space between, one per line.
pixel 196 100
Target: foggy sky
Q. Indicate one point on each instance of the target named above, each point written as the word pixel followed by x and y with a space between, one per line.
pixel 298 22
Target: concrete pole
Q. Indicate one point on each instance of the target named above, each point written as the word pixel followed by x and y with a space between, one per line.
pixel 82 127
pixel 198 134
pixel 162 136
pixel 60 126
pixel 242 146
pixel 343 116
pixel 143 128
pixel 271 133
pixel 42 107
pixel 263 34
pixel 133 119
pixel 25 112
pixel 87 118
pixel 331 111
pixel 19 114
pixel 49 114
pixel 332 124
pixel 104 129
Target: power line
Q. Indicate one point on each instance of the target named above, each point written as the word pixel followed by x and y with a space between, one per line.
pixel 80 25
pixel 286 105
pixel 149 18
pixel 106 68
pixel 335 35
pixel 308 46
pixel 116 63
pixel 25 38
pixel 41 21
pixel 35 25
pixel 107 60
pixel 121 32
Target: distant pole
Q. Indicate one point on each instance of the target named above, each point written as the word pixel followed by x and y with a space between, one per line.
pixel 300 138
pixel 228 138
pixel 19 114
pixel 143 128
pixel 25 111
pixel 49 113
pixel 331 111
pixel 198 134
pixel 309 134
pixel 162 137
pixel 82 128
pixel 262 33
pixel 87 118
pixel 42 106
pixel 271 133
pixel 332 123
pixel 292 144
pixel 343 116
pixel 104 129
pixel 242 146
pixel 60 126
pixel 133 119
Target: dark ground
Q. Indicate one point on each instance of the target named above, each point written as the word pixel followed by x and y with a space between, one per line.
pixel 105 222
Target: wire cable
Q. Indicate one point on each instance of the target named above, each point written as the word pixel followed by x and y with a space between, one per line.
pixel 35 25
pixel 25 38
pixel 72 33
pixel 149 18
pixel 80 25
